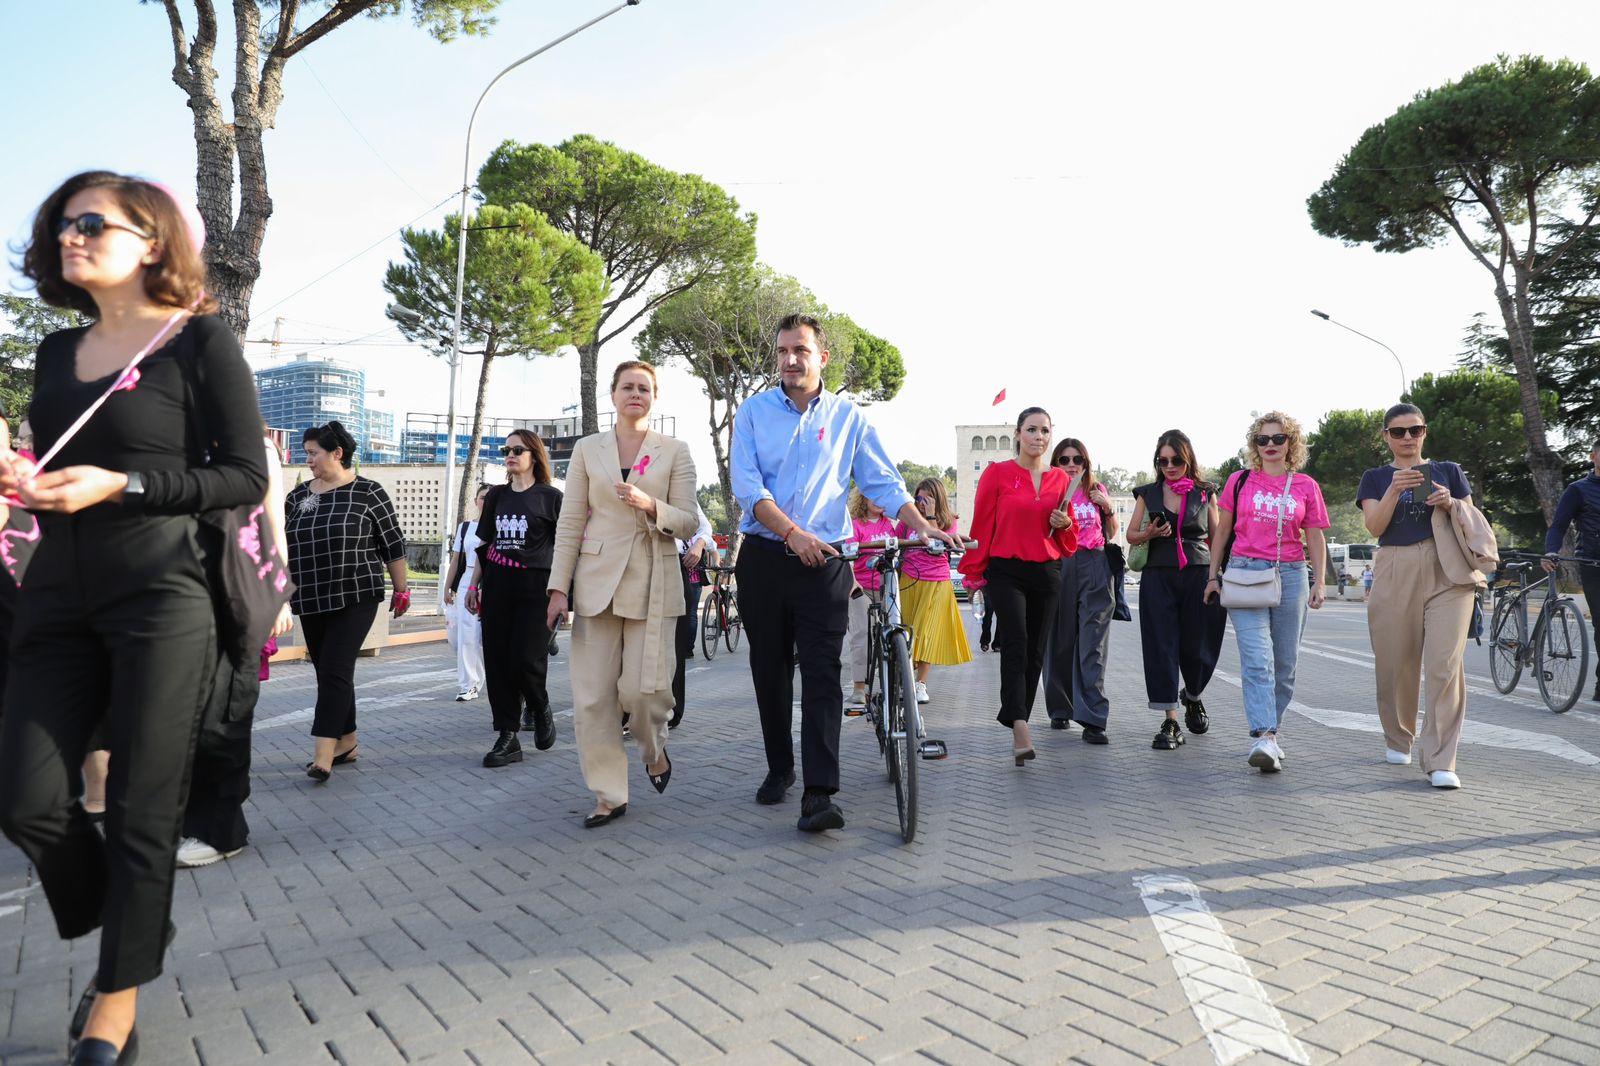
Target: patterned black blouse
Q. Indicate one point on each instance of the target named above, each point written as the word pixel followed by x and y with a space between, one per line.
pixel 339 541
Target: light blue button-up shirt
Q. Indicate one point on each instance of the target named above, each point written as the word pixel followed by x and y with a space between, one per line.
pixel 803 461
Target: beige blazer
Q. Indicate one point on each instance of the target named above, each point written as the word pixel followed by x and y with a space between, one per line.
pixel 612 556
pixel 1465 542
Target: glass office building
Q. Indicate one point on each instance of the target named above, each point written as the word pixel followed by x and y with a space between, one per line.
pixel 311 392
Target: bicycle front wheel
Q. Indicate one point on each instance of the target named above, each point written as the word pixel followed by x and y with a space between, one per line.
pixel 903 734
pixel 1562 656
pixel 710 627
pixel 1508 635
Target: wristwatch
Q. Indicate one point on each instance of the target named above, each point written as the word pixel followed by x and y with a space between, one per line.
pixel 133 492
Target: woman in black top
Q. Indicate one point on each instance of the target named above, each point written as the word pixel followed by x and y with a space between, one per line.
pixel 115 621
pixel 342 532
pixel 517 531
pixel 1180 633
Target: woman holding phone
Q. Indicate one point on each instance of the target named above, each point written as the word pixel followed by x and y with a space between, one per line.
pixel 1180 633
pixel 1075 664
pixel 1416 618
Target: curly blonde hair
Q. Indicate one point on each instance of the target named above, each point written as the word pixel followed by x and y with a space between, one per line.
pixel 1294 457
pixel 859 506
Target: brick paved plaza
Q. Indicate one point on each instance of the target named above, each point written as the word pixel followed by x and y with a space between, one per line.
pixel 1103 905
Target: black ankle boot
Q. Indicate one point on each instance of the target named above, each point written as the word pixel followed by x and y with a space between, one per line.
pixel 507 749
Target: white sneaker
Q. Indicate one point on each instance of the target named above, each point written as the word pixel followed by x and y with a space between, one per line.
pixel 1444 779
pixel 194 852
pixel 1265 756
pixel 857 698
pixel 922 692
pixel 1399 758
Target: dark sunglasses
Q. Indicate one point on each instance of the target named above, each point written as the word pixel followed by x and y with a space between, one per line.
pixel 1070 460
pixel 514 449
pixel 92 224
pixel 1400 432
pixel 1264 439
pixel 1174 461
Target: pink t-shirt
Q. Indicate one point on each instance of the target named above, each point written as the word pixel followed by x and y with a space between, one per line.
pixel 1087 520
pixel 921 565
pixel 1256 524
pixel 867 529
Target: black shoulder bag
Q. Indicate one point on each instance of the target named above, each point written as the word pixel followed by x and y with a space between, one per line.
pixel 249 583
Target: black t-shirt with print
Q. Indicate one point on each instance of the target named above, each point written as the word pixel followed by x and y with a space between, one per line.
pixel 518 529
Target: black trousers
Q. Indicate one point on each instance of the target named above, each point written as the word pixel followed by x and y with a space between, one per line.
pixel 1590 576
pixel 333 640
pixel 1080 640
pixel 220 781
pixel 789 607
pixel 1023 595
pixel 513 605
pixel 1180 634
pixel 114 628
pixel 688 627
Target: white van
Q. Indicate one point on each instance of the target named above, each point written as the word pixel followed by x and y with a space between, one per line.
pixel 1351 558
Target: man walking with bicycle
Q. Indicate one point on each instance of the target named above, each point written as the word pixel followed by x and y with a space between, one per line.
pixel 795 451
pixel 1581 504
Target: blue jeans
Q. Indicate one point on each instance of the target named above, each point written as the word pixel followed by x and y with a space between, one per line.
pixel 1269 645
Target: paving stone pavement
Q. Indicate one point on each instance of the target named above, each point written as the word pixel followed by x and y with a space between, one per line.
pixel 420 908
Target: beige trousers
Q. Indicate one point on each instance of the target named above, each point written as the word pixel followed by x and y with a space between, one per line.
pixel 606 665
pixel 1418 624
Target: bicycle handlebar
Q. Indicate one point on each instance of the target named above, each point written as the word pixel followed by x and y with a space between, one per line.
pixel 1528 558
pixel 852 549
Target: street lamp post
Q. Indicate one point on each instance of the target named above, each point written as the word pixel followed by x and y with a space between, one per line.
pixel 461 273
pixel 1324 316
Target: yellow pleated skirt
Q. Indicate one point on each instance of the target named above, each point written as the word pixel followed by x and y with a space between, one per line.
pixel 937 635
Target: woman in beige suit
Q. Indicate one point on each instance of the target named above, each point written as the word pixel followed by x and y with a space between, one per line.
pixel 630 496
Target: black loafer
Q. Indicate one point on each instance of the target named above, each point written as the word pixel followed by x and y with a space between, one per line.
pixel 660 780
pixel 1060 723
pixel 1092 735
pixel 819 813
pixel 97 1052
pixel 594 821
pixel 772 790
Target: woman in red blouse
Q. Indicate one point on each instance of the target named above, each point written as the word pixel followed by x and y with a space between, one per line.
pixel 1023 532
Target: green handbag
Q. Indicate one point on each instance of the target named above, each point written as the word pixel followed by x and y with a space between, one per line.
pixel 1139 554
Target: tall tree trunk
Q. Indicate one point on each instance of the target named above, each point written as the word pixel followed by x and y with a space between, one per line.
pixel 588 382
pixel 1543 463
pixel 724 472
pixel 464 491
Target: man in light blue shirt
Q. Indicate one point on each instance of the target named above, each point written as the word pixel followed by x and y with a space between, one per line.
pixel 795 450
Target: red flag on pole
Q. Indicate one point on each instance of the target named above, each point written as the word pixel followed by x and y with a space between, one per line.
pixel 999 399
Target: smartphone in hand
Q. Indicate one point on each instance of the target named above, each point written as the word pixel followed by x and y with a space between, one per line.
pixel 1426 470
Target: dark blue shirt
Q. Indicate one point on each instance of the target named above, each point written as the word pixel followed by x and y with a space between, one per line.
pixel 1412 521
pixel 1581 501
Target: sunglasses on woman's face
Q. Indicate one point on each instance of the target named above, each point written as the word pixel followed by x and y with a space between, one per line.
pixel 91 224
pixel 1264 439
pixel 514 449
pixel 1070 460
pixel 1163 462
pixel 1400 432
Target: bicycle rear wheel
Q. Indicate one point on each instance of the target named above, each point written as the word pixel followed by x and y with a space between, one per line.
pixel 1562 656
pixel 1508 636
pixel 902 731
pixel 734 626
pixel 710 628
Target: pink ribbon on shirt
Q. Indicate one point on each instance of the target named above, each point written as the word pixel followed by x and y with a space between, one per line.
pixel 642 465
pixel 1182 487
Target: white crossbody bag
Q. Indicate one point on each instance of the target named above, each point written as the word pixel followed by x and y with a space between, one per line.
pixel 1255 588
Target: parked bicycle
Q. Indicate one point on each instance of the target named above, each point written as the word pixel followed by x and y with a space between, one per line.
pixel 1557 650
pixel 719 613
pixel 891 701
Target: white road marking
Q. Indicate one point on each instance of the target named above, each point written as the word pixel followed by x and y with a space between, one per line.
pixel 305 714
pixel 17 893
pixel 8 910
pixel 1481 734
pixel 1232 1008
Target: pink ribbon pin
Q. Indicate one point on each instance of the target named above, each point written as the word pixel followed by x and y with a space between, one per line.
pixel 642 465
pixel 128 381
pixel 821 433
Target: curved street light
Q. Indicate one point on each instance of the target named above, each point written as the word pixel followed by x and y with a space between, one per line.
pixel 461 271
pixel 1324 316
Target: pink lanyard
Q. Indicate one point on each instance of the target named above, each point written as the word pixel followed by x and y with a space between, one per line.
pixel 125 380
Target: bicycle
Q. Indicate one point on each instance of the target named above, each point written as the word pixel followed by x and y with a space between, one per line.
pixel 891 702
pixel 1558 649
pixel 719 614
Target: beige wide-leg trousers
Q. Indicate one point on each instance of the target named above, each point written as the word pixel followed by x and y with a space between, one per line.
pixel 1418 624
pixel 607 665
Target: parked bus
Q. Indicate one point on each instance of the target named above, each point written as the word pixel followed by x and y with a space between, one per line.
pixel 1351 558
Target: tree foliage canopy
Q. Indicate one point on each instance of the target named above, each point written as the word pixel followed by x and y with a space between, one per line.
pixel 658 232
pixel 32 320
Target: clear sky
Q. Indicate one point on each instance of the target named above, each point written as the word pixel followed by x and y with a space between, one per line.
pixel 1100 208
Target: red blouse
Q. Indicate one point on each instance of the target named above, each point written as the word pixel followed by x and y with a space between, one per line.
pixel 1011 521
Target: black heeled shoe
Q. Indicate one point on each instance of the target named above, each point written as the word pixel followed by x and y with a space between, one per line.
pixel 660 780
pixel 594 821
pixel 97 1052
pixel 80 1013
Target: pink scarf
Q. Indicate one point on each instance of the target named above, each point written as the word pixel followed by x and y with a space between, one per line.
pixel 1182 487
